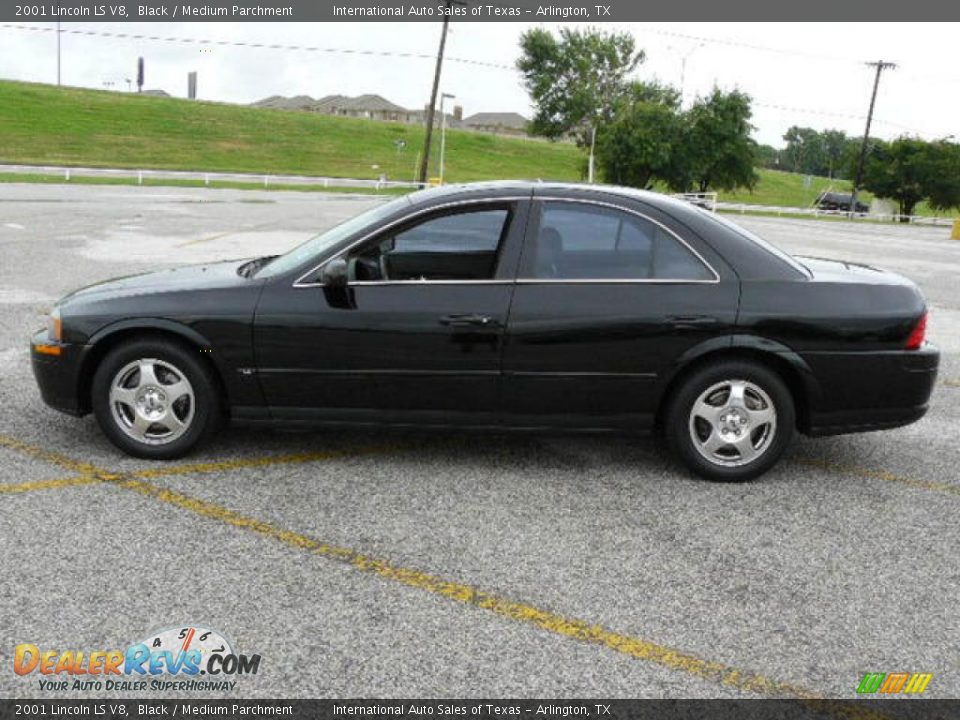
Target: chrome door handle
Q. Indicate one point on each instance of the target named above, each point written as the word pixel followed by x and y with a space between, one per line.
pixel 467 319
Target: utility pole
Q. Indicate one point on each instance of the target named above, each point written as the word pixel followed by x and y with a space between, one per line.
pixel 880 65
pixel 425 158
pixel 58 53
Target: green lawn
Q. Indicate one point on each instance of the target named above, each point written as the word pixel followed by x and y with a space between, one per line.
pixel 47 125
pixel 786 189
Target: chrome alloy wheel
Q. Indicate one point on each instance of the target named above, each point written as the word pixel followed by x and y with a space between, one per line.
pixel 152 401
pixel 733 423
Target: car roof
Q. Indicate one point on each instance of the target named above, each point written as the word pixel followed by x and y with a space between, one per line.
pixel 527 187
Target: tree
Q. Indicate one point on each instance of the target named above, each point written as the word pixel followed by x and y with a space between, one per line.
pixel 717 150
pixel 640 145
pixel 575 81
pixel 910 170
pixel 943 179
pixel 804 150
pixel 767 156
pixel 832 144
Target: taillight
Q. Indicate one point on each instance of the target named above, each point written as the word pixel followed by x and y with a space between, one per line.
pixel 918 335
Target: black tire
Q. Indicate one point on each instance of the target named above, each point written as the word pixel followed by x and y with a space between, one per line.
pixel 172 358
pixel 678 421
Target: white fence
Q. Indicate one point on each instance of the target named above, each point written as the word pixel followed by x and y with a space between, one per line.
pixel 745 208
pixel 206 177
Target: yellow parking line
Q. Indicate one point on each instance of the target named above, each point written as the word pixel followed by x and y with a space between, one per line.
pixel 50 456
pixel 952 383
pixel 89 474
pixel 264 461
pixel 48 484
pixel 881 475
pixel 726 675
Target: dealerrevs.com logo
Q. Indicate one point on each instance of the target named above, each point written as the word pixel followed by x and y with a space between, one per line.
pixel 186 658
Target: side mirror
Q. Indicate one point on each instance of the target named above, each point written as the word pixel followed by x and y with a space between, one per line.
pixel 334 273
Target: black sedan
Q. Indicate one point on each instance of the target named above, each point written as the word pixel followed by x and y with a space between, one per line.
pixel 520 306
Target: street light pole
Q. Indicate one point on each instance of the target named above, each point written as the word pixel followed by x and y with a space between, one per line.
pixel 591 161
pixel 443 131
pixel 58 53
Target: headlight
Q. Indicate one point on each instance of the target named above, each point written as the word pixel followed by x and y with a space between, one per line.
pixel 55 325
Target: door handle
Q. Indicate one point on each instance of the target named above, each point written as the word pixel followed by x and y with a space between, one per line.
pixel 468 319
pixel 691 320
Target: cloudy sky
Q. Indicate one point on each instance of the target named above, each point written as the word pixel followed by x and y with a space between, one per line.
pixel 798 74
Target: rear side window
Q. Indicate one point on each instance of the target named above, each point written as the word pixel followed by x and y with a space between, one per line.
pixel 591 242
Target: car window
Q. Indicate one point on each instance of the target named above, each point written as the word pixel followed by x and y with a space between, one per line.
pixel 316 247
pixel 454 246
pixel 591 242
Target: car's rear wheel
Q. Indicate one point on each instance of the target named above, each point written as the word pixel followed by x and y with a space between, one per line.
pixel 731 421
pixel 155 399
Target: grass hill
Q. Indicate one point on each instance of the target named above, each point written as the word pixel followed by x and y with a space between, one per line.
pixel 43 124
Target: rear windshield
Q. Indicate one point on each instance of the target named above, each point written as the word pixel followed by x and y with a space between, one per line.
pixel 756 240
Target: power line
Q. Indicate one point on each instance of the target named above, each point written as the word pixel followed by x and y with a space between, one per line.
pixel 745 45
pixel 264 46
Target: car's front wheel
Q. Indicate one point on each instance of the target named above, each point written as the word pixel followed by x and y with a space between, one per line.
pixel 155 398
pixel 731 421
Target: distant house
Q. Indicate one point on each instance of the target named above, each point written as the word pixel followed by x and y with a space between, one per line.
pixel 498 123
pixel 156 93
pixel 371 107
pixel 377 107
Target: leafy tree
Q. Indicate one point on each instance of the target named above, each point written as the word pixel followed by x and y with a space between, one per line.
pixel 910 170
pixel 717 150
pixel 575 81
pixel 832 145
pixel 640 145
pixel 804 150
pixel 943 178
pixel 767 156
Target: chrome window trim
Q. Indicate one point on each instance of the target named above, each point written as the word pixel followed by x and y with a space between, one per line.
pixel 630 211
pixel 299 283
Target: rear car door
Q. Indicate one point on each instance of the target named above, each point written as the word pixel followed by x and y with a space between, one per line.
pixel 415 336
pixel 610 296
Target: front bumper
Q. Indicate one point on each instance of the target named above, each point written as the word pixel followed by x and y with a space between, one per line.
pixel 56 366
pixel 859 392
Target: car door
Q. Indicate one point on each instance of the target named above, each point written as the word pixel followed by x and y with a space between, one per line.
pixel 415 336
pixel 608 298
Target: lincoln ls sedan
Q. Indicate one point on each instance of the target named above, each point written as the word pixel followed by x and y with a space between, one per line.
pixel 503 306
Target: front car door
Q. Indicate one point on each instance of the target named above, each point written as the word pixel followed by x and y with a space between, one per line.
pixel 610 293
pixel 415 336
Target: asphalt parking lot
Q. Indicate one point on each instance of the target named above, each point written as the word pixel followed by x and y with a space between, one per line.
pixel 397 565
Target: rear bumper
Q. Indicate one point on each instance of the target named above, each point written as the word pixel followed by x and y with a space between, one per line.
pixel 56 367
pixel 859 392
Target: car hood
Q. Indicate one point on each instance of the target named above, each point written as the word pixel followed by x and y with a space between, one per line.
pixel 842 271
pixel 190 277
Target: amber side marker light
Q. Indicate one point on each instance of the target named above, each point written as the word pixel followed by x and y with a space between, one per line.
pixel 48 349
pixel 918 335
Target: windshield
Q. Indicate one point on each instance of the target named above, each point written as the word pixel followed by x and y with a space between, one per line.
pixel 325 241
